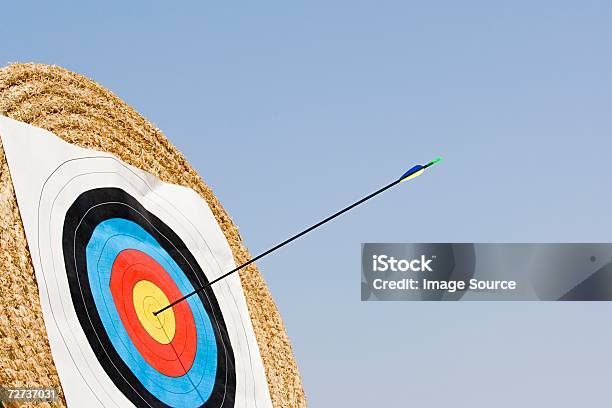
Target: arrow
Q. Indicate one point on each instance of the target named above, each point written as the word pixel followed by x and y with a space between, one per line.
pixel 410 174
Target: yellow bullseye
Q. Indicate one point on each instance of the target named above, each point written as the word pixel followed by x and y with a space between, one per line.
pixel 149 298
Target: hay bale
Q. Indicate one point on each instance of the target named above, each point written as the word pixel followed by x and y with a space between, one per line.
pixel 84 113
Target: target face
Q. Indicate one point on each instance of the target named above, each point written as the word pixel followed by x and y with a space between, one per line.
pixel 111 245
pixel 123 264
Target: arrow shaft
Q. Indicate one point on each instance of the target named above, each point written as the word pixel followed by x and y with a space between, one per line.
pixel 293 238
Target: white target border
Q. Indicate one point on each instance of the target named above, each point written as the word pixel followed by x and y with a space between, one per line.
pixel 48 175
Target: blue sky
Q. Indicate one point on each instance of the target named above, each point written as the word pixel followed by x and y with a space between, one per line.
pixel 292 110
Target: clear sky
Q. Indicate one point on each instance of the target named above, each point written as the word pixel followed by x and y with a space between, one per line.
pixel 290 110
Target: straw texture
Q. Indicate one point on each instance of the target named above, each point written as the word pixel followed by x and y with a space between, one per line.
pixel 83 113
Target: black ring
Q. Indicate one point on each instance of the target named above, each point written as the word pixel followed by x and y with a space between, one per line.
pixel 79 224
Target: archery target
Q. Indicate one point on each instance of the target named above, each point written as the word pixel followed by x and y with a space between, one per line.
pixel 110 245
pixel 126 266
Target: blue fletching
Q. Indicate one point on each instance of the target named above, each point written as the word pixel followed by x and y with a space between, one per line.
pixel 411 171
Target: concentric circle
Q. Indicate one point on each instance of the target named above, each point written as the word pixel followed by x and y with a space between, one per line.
pixel 169 350
pixel 148 298
pixel 122 264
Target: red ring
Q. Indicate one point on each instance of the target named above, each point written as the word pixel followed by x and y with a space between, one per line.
pixel 132 275
pixel 175 358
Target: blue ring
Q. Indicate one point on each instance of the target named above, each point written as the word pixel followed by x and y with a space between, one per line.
pixel 109 238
